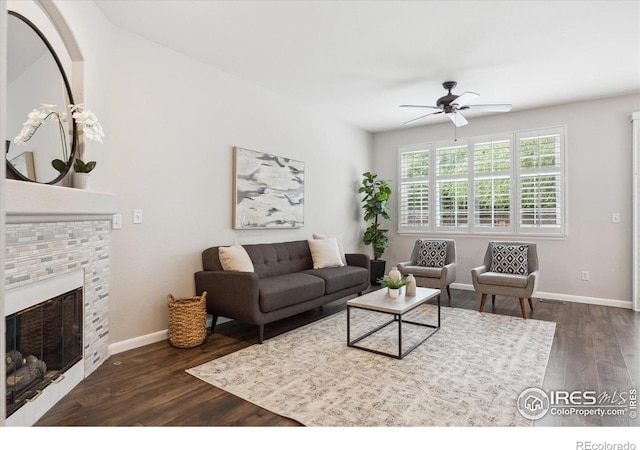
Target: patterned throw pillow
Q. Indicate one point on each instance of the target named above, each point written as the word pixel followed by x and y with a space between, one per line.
pixel 431 253
pixel 509 259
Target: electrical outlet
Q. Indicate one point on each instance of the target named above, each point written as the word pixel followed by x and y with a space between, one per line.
pixel 615 217
pixel 137 216
pixel 116 222
pixel 585 275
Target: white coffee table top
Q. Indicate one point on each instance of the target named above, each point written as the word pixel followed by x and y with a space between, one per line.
pixel 380 300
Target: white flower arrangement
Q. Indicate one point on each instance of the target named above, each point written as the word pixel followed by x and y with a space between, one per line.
pixel 88 121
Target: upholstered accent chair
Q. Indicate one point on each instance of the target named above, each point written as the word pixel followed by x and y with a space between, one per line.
pixel 432 263
pixel 509 269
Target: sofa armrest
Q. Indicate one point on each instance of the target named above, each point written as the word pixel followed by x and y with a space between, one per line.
pixel 475 273
pixel 404 264
pixel 532 282
pixel 449 273
pixel 358 259
pixel 231 294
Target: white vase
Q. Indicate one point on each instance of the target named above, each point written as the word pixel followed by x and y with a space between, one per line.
pixel 81 180
pixel 393 293
pixel 411 286
pixel 395 274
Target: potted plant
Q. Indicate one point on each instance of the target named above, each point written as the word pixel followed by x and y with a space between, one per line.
pixel 375 205
pixel 393 285
pixel 91 129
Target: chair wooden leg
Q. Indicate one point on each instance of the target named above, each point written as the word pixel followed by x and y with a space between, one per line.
pixel 530 304
pixel 260 334
pixel 484 299
pixel 449 292
pixel 524 311
pixel 493 300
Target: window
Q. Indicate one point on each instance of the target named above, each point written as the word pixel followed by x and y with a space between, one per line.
pixel 414 187
pixel 511 183
pixel 540 181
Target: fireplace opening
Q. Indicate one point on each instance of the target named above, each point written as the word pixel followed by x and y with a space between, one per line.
pixel 42 342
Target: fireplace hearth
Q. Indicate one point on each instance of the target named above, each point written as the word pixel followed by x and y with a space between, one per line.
pixel 42 342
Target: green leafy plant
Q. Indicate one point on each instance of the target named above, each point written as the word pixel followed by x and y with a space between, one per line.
pixel 80 166
pixel 375 203
pixel 391 283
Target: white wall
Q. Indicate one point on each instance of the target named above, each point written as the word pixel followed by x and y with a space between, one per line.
pixel 173 125
pixel 599 184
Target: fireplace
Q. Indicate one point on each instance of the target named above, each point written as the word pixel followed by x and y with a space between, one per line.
pixel 45 344
pixel 42 342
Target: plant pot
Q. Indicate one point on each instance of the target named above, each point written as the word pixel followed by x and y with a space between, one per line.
pixel 81 180
pixel 393 293
pixel 377 271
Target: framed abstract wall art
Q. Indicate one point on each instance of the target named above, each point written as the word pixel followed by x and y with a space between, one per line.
pixel 268 191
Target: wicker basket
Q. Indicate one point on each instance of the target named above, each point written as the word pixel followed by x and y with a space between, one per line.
pixel 187 320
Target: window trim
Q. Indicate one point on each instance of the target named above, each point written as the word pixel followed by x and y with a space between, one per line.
pixel 471 229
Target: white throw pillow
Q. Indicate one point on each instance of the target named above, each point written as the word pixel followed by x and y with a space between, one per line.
pixel 325 253
pixel 235 258
pixel 340 246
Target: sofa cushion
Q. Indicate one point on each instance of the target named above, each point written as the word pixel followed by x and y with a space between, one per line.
pixel 422 271
pixel 280 258
pixel 431 253
pixel 285 290
pixel 510 259
pixel 325 253
pixel 340 244
pixel 338 278
pixel 235 257
pixel 503 279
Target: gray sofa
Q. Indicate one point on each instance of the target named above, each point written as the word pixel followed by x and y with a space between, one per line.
pixel 283 283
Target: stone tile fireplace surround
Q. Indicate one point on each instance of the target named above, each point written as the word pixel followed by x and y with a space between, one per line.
pixel 52 231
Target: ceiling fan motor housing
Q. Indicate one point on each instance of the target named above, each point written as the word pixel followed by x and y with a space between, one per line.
pixel 445 101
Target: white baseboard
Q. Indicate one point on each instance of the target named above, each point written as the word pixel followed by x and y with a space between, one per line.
pixel 565 297
pixel 130 344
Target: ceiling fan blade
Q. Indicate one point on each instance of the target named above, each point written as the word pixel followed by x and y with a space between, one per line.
pixel 465 98
pixel 421 117
pixel 457 119
pixel 419 106
pixel 496 108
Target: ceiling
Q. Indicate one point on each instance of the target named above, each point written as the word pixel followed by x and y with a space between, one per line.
pixel 359 60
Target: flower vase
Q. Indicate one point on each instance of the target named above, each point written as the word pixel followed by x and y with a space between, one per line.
pixel 81 180
pixel 395 274
pixel 393 293
pixel 411 286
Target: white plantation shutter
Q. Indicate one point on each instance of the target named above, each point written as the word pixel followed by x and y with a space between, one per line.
pixel 452 181
pixel 541 180
pixel 492 183
pixel 414 188
pixel 512 183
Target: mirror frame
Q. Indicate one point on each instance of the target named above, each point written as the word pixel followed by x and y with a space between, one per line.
pixel 74 143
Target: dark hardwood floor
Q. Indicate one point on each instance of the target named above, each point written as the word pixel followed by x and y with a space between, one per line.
pixel 595 348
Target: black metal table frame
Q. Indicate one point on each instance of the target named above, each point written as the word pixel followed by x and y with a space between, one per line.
pixel 396 318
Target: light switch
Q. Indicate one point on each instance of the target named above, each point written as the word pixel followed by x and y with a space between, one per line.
pixel 116 223
pixel 615 218
pixel 137 216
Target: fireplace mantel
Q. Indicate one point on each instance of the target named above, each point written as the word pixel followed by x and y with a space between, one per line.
pixel 33 202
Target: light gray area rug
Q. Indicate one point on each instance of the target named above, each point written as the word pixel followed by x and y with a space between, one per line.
pixel 469 373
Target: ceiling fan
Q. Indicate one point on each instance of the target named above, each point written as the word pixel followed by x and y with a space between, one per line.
pixel 452 104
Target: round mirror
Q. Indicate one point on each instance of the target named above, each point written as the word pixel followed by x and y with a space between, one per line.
pixel 35 77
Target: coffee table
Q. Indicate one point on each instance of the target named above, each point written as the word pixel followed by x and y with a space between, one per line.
pixel 380 301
